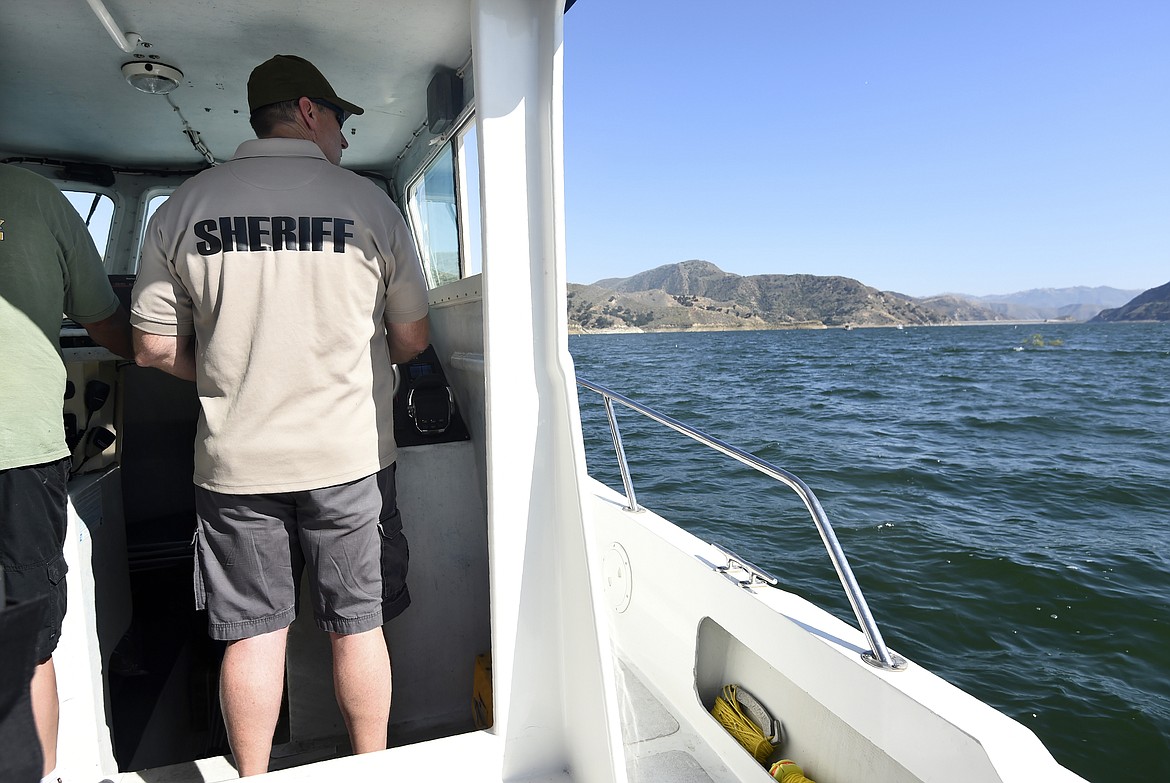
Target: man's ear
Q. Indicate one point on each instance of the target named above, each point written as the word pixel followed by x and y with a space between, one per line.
pixel 308 112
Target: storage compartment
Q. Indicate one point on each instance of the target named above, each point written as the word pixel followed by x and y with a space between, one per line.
pixel 829 750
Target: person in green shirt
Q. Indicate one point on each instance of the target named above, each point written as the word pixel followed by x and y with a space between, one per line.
pixel 48 267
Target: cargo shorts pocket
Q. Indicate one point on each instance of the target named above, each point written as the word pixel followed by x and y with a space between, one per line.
pixel 55 570
pixel 200 591
pixel 395 563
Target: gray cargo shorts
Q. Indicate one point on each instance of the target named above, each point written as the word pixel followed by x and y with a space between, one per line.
pixel 252 549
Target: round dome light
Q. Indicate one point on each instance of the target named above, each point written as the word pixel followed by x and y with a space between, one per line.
pixel 153 78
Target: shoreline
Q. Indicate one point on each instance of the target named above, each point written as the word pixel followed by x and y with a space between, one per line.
pixel 813 327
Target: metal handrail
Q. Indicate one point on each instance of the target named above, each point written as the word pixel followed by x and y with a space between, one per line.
pixel 878 655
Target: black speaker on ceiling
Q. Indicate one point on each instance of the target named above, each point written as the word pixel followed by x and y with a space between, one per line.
pixel 444 100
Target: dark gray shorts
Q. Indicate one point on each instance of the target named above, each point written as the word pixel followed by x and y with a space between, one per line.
pixel 252 549
pixel 33 515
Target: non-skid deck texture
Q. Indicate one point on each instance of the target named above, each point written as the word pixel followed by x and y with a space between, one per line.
pixel 657 749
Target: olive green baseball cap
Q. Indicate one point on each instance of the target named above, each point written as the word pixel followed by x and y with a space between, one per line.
pixel 287 77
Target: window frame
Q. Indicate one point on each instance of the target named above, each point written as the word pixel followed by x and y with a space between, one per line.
pixel 470 221
pixel 420 225
pixel 145 213
pixel 468 242
pixel 75 188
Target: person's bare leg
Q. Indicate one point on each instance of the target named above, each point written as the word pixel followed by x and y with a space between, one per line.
pixel 361 679
pixel 46 711
pixel 251 685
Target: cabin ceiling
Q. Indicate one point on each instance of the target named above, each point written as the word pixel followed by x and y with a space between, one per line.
pixel 65 97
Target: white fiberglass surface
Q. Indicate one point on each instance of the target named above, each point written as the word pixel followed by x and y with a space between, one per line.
pixel 682 631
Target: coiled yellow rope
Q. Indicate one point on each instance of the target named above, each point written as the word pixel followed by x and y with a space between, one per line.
pixel 729 712
pixel 788 771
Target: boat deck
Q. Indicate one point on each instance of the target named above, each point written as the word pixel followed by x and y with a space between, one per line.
pixel 658 748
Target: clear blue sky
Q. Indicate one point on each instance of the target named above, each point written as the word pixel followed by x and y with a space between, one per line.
pixel 919 147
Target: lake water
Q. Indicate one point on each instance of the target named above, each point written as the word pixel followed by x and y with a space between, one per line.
pixel 1003 495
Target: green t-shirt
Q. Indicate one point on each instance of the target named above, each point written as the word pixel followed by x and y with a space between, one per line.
pixel 48 266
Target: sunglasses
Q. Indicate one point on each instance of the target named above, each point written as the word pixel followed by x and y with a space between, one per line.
pixel 341 114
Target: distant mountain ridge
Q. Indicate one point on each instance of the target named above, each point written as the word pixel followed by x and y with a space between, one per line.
pixel 1152 305
pixel 696 295
pixel 1062 297
pixel 699 295
pixel 1076 303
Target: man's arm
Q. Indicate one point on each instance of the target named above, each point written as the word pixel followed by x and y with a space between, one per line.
pixel 408 340
pixel 113 333
pixel 174 354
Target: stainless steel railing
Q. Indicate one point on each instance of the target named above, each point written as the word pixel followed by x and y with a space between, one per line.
pixel 878 655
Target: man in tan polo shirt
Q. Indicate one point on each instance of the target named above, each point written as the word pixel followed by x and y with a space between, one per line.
pixel 285 286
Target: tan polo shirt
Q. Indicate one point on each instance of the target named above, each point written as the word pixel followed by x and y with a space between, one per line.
pixel 286 269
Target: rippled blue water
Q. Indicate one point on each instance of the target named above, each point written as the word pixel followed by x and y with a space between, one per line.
pixel 1004 504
